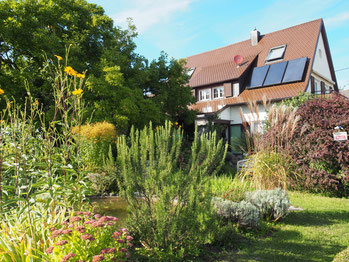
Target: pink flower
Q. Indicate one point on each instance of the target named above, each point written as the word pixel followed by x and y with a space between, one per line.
pixel 79 213
pixel 98 258
pixel 81 229
pixel 108 250
pixel 61 243
pixel 52 229
pixel 56 233
pixel 130 244
pixel 89 221
pixel 64 223
pixel 49 250
pixel 67 232
pixel 98 224
pixel 121 241
pixel 88 237
pixel 71 226
pixel 125 230
pixel 127 254
pixel 87 214
pixel 65 258
pixel 75 219
pixel 97 216
pixel 123 250
pixel 129 238
pixel 116 233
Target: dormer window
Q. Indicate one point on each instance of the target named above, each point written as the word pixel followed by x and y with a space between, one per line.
pixel 276 53
pixel 204 94
pixel 190 71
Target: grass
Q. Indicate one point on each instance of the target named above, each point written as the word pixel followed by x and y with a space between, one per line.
pixel 316 234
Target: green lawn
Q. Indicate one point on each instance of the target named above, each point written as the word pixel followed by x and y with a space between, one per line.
pixel 316 234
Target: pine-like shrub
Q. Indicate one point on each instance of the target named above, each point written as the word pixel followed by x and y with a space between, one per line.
pixel 244 214
pixel 322 162
pixel 342 256
pixel 169 202
pixel 272 204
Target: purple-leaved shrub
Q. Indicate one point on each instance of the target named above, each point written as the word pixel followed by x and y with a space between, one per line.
pixel 321 162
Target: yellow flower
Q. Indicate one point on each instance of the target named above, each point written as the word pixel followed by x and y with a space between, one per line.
pixel 171 124
pixel 77 92
pixel 180 126
pixel 59 57
pixel 1 91
pixel 36 102
pixel 70 71
pixel 8 105
pixel 80 75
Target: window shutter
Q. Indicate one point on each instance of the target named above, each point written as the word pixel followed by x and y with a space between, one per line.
pixel 312 85
pixel 323 89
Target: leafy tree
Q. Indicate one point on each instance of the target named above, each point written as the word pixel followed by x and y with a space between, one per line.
pixel 119 78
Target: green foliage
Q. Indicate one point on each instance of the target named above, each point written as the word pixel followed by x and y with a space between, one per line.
pixel 272 204
pixel 229 188
pixel 105 52
pixel 342 256
pixel 169 201
pixel 296 101
pixel 25 233
pixel 88 237
pixel 244 213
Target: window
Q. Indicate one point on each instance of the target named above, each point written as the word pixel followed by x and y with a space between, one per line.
pixel 276 53
pixel 317 87
pixel 218 92
pixel 190 71
pixel 236 89
pixel 204 95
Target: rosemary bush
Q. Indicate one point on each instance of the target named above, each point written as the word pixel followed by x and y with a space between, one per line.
pixel 169 201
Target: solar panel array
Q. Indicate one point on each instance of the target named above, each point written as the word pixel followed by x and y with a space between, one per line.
pixel 279 73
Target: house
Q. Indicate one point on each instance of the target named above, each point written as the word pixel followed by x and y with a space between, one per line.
pixel 276 66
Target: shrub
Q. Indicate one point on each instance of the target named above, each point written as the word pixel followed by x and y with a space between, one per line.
pixel 322 162
pixel 97 140
pixel 243 213
pixel 169 202
pixel 272 204
pixel 342 256
pixel 266 170
pixel 89 237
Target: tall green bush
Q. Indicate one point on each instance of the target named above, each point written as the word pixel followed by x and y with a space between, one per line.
pixel 169 202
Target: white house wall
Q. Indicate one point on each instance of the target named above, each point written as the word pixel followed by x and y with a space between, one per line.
pixel 233 114
pixel 321 65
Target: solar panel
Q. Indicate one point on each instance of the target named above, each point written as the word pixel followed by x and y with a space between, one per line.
pixel 295 70
pixel 275 74
pixel 258 76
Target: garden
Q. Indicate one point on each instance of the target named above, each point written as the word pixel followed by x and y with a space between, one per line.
pixel 95 168
pixel 180 203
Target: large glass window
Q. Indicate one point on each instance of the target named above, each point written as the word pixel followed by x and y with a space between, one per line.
pixel 218 92
pixel 204 95
pixel 276 53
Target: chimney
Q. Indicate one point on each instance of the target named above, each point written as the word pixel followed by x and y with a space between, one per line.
pixel 254 37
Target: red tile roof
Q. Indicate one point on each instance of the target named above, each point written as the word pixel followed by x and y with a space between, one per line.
pixel 218 65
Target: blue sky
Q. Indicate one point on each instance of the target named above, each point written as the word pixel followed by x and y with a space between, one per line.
pixel 186 27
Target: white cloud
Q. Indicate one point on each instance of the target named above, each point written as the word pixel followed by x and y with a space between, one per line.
pixel 337 19
pixel 146 13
